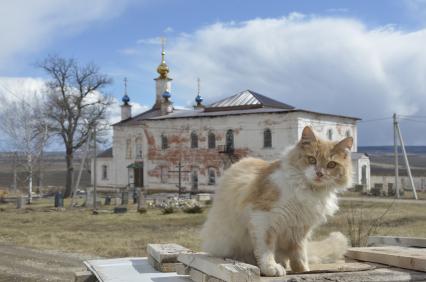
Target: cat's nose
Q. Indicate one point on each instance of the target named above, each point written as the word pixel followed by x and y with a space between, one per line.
pixel 319 174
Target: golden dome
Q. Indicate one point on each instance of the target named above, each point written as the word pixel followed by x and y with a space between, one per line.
pixel 163 68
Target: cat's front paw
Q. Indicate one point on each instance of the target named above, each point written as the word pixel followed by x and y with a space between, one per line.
pixel 272 269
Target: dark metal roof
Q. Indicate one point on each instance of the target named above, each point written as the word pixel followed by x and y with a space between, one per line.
pixel 245 102
pixel 105 154
pixel 247 99
pixel 201 113
pixel 153 112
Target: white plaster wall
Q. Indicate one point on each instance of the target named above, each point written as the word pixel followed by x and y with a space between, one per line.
pixel 321 124
pixel 248 133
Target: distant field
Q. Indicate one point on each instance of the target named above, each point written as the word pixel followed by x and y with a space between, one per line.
pixel 113 235
pixel 53 174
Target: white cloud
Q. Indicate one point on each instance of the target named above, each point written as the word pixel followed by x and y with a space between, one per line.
pixel 327 64
pixel 28 26
pixel 20 88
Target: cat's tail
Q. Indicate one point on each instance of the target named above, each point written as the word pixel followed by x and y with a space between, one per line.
pixel 328 250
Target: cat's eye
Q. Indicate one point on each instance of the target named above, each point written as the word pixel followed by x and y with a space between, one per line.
pixel 312 160
pixel 331 164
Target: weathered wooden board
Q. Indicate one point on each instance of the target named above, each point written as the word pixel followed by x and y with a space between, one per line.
pixel 163 266
pixel 198 276
pixel 337 267
pixel 404 257
pixel 223 269
pixel 396 241
pixel 165 252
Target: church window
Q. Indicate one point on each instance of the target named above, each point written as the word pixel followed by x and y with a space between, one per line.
pixel 330 134
pixel 164 142
pixel 194 140
pixel 104 172
pixel 138 148
pixel 229 140
pixel 267 138
pixel 128 148
pixel 212 176
pixel 348 133
pixel 164 174
pixel 212 140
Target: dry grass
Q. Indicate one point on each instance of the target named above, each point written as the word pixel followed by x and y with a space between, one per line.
pixel 117 235
pixel 106 235
pixel 374 218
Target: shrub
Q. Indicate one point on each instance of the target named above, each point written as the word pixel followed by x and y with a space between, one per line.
pixel 193 209
pixel 168 210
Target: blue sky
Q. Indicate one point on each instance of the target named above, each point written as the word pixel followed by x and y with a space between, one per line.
pixel 316 55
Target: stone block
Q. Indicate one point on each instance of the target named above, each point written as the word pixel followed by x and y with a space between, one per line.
pixel 223 269
pixel 166 252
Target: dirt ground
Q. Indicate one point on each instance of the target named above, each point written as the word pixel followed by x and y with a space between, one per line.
pixel 25 264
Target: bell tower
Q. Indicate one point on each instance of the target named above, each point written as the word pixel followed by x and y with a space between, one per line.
pixel 163 82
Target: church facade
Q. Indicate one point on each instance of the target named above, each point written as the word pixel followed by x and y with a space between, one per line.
pixel 167 148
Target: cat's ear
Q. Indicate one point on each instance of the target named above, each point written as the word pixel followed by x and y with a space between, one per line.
pixel 308 136
pixel 344 145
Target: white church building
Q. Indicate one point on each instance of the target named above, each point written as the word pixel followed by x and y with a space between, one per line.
pixel 150 148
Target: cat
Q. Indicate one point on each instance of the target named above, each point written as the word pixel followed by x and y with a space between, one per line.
pixel 264 212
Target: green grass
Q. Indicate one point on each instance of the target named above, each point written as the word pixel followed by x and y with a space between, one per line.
pixel 118 235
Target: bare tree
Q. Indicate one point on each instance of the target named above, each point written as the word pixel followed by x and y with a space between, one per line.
pixel 74 105
pixel 23 124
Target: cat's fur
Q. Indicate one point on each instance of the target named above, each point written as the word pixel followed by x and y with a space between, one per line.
pixel 264 212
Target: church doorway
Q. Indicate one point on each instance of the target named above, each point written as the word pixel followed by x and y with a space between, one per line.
pixel 137 169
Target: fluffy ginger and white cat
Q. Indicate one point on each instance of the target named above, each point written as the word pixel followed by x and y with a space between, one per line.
pixel 264 212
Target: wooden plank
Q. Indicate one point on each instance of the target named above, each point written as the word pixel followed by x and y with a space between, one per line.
pixel 385 274
pixel 223 269
pixel 198 276
pixel 182 269
pixel 396 241
pixel 336 267
pixel 165 252
pixel 163 267
pixel 404 257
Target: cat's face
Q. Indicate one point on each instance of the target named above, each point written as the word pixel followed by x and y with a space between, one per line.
pixel 323 163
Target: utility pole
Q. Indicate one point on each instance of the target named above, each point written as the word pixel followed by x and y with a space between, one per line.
pixel 30 180
pixel 395 147
pixel 94 168
pixel 406 160
pixel 15 188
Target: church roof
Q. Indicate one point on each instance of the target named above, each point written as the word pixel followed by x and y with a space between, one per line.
pixel 105 154
pixel 245 102
pixel 247 99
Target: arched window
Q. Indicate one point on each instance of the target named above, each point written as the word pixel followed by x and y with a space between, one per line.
pixel 229 140
pixel 164 174
pixel 212 140
pixel 267 138
pixel 104 172
pixel 138 146
pixel 330 134
pixel 348 133
pixel 212 176
pixel 128 148
pixel 194 140
pixel 164 142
